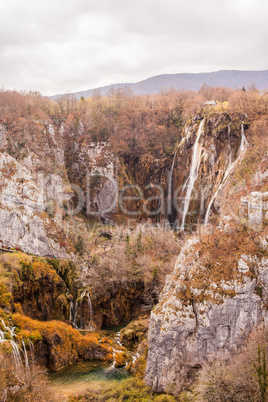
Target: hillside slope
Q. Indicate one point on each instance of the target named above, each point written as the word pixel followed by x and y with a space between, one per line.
pixel 189 81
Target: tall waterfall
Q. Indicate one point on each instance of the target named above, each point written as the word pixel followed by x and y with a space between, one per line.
pixel 231 165
pixel 189 183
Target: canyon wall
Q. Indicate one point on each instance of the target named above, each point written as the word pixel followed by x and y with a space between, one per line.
pixel 217 292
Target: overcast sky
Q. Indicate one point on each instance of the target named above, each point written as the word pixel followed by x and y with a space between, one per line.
pixel 64 46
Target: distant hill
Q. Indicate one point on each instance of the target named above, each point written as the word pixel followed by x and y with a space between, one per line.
pixel 227 78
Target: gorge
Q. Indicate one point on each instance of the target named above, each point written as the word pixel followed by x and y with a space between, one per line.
pixel 133 234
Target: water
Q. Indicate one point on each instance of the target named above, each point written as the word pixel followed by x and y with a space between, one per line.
pixel 189 184
pixel 90 309
pixel 231 165
pixel 71 310
pixel 74 309
pixel 93 370
pixel 80 378
pixel 20 356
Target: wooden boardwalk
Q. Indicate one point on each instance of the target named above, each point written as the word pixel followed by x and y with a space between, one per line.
pixel 6 250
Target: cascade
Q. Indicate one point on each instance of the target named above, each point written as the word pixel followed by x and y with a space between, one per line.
pixel 26 361
pixel 117 341
pixel 75 314
pixel 71 310
pixel 8 336
pixel 90 310
pixel 85 293
pixel 189 183
pixel 231 165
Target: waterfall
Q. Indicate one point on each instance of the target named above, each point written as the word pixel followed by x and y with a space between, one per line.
pixel 244 143
pixel 189 183
pixel 26 362
pixel 117 341
pixel 75 314
pixel 7 335
pixel 231 165
pixel 71 310
pixel 91 315
pixel 90 309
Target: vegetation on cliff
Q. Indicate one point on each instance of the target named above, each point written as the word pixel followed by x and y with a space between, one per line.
pixel 117 272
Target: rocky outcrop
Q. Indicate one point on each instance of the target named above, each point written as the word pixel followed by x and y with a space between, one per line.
pixel 134 333
pixel 58 345
pixel 24 219
pixel 254 209
pixel 213 299
pixel 116 303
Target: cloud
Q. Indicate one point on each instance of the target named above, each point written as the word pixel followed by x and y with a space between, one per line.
pixel 61 46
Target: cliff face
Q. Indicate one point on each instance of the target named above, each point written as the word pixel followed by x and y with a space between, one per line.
pixel 210 149
pixel 50 170
pixel 218 290
pixel 25 199
pixel 45 175
pixel 204 312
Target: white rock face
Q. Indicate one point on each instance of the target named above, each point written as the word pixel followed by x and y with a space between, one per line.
pixel 23 202
pixel 254 208
pixel 104 165
pixel 195 322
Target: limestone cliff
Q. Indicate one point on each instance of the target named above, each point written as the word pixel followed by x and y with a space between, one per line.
pixel 42 174
pixel 217 293
pixel 24 219
pixel 206 308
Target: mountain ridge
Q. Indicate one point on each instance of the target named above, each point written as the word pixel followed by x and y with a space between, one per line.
pixel 234 79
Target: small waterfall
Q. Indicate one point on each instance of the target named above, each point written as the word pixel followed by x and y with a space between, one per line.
pixel 16 357
pixel 117 340
pixel 85 293
pixel 231 165
pixel 8 335
pixel 26 362
pixel 90 309
pixel 75 308
pixel 71 310
pixel 189 183
pixel 243 145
